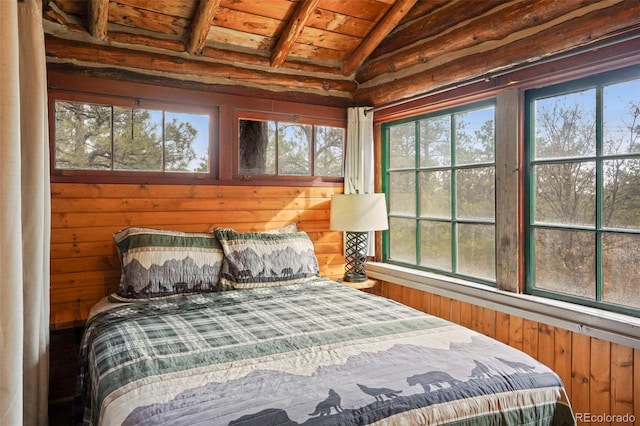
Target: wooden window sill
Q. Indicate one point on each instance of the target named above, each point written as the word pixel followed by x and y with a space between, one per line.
pixel 611 326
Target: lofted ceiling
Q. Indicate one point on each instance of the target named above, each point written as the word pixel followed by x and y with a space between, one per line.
pixel 339 51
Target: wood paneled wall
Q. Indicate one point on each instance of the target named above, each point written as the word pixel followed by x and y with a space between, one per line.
pixel 84 262
pixel 601 378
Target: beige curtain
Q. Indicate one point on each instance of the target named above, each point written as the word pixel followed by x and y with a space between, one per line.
pixel 24 216
pixel 358 169
pixel 359 162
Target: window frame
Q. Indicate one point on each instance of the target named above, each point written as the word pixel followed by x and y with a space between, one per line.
pixel 597 82
pixel 221 106
pixel 509 87
pixel 450 110
pixel 285 118
pixel 132 176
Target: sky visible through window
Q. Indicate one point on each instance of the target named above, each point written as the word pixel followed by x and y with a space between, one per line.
pixel 200 122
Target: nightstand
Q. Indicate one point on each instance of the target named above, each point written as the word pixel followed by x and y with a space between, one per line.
pixel 361 285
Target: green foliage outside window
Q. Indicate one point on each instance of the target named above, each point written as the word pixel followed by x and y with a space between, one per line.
pixel 290 149
pixel 104 137
pixel 582 199
pixel 439 175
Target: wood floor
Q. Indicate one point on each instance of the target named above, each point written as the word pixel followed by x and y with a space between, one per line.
pixel 63 365
pixel 60 414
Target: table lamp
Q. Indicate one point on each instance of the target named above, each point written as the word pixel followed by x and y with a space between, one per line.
pixel 357 215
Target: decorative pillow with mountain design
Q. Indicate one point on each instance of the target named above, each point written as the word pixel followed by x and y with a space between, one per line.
pixel 162 263
pixel 263 259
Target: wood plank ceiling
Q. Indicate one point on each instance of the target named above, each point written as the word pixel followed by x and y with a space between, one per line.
pixel 339 52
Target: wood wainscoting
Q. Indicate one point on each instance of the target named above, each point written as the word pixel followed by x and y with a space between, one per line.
pixel 84 261
pixel 601 378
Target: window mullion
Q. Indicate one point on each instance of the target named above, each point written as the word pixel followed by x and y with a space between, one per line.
pixel 312 151
pixel 277 153
pixel 418 191
pixel 164 146
pixel 385 188
pixel 113 138
pixel 454 227
pixel 529 245
pixel 599 189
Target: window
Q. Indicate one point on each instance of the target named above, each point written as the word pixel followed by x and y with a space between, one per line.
pixel 104 137
pixel 440 182
pixel 583 177
pixel 280 148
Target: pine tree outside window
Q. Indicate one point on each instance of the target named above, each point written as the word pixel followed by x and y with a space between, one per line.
pixel 90 136
pixel 439 175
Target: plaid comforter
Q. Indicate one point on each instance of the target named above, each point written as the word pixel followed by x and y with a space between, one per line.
pixel 312 353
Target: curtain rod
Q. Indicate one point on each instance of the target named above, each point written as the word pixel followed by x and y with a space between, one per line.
pixel 489 76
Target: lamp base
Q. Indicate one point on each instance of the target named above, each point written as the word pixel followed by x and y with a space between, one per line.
pixel 354 277
pixel 356 257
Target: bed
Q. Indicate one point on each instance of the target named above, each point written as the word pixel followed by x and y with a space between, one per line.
pixel 284 346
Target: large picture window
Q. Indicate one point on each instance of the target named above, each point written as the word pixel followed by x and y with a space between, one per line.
pixel 583 236
pixel 104 137
pixel 439 175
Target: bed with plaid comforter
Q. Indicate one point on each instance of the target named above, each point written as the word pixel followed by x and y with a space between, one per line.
pixel 315 353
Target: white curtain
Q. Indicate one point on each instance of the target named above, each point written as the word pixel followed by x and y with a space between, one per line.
pixel 24 216
pixel 359 161
pixel 358 168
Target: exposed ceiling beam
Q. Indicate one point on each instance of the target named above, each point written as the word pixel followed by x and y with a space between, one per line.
pixel 98 15
pixel 291 33
pixel 200 25
pixel 90 55
pixel 386 25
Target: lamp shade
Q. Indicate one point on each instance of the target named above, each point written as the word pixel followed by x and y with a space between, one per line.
pixel 358 212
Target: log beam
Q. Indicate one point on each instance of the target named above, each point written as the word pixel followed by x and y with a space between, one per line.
pixel 375 37
pixel 435 21
pixel 200 25
pixel 582 30
pixel 174 46
pixel 98 16
pixel 293 30
pixel 53 13
pixel 209 72
pixel 493 25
